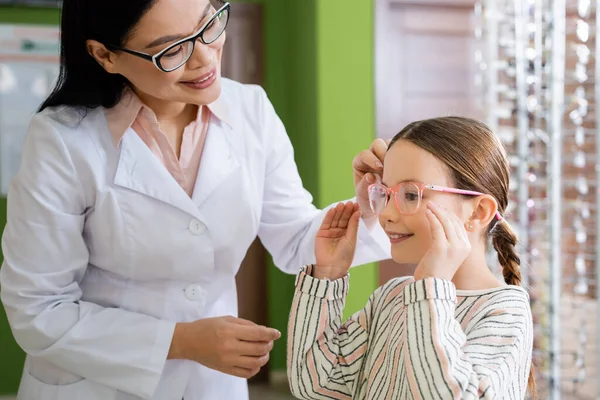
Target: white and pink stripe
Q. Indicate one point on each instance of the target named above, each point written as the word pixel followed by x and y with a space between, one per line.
pixel 413 340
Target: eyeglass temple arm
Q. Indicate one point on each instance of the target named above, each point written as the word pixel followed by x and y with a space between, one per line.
pixel 135 53
pixel 460 191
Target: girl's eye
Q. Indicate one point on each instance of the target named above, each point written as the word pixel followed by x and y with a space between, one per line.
pixel 411 196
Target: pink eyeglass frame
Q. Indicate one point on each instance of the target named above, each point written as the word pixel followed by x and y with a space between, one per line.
pixel 422 186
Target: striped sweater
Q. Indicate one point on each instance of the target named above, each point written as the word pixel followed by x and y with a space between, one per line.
pixel 413 340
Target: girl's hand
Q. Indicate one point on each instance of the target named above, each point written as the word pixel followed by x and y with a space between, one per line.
pixel 336 241
pixel 450 245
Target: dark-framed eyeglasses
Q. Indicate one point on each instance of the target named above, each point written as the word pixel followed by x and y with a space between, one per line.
pixel 177 54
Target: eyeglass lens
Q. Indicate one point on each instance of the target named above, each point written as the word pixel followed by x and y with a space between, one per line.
pixel 177 56
pixel 407 198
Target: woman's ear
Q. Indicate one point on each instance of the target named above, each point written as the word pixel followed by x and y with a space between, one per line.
pixel 102 55
pixel 484 211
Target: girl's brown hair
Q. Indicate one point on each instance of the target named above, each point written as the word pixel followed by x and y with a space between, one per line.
pixel 477 161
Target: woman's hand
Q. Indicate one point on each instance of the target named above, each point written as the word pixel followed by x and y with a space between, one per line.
pixel 368 169
pixel 336 241
pixel 231 345
pixel 450 245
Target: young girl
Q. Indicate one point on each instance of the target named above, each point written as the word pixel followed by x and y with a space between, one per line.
pixel 453 331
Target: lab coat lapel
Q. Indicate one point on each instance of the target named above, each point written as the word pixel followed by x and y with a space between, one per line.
pixel 141 171
pixel 218 161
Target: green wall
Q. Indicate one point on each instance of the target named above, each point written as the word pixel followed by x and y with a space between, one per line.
pixel 290 71
pixel 346 112
pixel 45 16
pixel 11 356
pixel 314 52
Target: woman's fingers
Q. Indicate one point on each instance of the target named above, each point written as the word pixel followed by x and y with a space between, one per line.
pixel 252 363
pixel 254 349
pixel 256 333
pixel 367 162
pixel 379 147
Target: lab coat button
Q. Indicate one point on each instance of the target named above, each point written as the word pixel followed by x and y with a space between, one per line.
pixel 196 227
pixel 193 292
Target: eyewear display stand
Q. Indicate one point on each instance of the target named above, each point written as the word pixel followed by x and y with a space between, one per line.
pixel 537 85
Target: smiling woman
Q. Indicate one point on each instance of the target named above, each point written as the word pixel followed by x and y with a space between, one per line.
pixel 140 31
pixel 145 178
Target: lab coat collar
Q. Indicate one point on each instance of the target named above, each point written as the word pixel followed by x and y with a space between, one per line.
pixel 139 170
pixel 120 117
pixel 218 161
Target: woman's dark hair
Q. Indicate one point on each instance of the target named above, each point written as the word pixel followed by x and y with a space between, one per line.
pixel 82 81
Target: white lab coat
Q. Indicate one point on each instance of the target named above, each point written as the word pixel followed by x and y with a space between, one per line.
pixel 105 252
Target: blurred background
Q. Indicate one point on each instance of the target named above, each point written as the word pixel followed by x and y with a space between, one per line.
pixel 342 72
